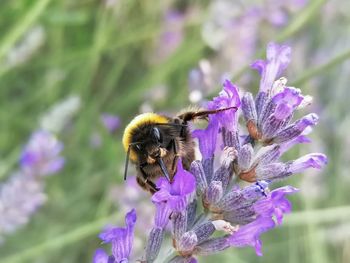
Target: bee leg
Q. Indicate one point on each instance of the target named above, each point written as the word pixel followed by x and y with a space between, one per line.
pixel 141 183
pixel 152 187
pixel 174 146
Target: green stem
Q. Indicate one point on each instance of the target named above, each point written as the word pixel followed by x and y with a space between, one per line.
pixel 299 22
pixel 59 241
pixel 21 27
pixel 322 68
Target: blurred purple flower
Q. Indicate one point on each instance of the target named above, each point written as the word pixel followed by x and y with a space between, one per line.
pixel 23 193
pixel 171 37
pixel 41 155
pixel 20 198
pixel 111 122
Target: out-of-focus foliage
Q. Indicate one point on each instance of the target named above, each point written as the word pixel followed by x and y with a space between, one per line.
pixel 122 57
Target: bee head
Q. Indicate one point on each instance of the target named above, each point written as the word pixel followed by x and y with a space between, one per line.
pixel 148 138
pixel 150 145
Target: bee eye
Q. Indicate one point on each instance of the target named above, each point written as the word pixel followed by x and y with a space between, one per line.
pixel 157 134
pixel 138 147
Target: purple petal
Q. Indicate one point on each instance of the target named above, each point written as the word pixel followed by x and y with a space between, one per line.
pixel 177 203
pixel 121 238
pixel 287 145
pixel 312 160
pixel 100 256
pixel 286 102
pixel 259 65
pixel 278 58
pixel 308 120
pixel 111 233
pixel 275 204
pixel 249 235
pixel 207 138
pixel 130 219
pixel 228 97
pixel 176 194
pixel 184 182
pixel 162 195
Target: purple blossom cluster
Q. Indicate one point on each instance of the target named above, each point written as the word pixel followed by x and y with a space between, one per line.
pixel 236 201
pixel 23 193
pixel 171 36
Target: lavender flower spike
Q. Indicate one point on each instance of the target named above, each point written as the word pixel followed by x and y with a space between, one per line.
pixel 20 198
pixel 314 160
pixel 23 193
pixel 171 198
pixel 121 239
pixel 208 208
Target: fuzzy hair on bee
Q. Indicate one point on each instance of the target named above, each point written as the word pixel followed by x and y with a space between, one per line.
pixel 154 143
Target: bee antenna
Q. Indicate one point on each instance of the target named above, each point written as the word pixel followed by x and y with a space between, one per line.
pixel 127 162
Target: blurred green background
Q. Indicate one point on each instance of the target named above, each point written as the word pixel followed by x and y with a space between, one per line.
pixel 123 57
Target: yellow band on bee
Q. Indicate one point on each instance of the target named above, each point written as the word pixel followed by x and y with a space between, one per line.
pixel 137 122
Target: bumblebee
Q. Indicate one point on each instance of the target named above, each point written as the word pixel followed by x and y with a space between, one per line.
pixel 154 143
